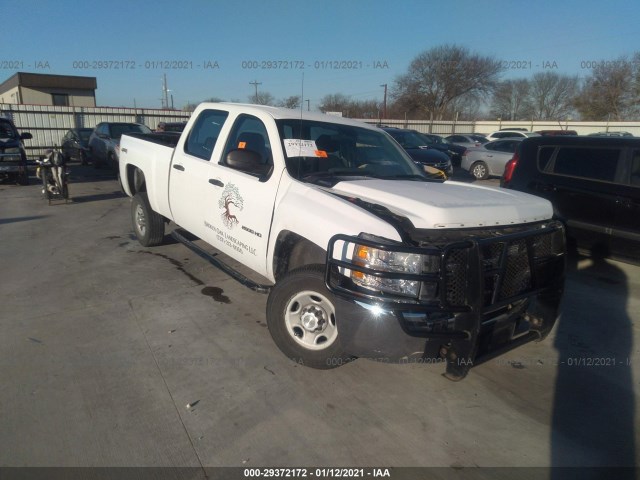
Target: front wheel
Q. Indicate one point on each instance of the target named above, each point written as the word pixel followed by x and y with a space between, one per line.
pixel 147 224
pixel 480 171
pixel 301 317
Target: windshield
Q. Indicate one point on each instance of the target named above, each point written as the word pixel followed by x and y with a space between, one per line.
pixel 85 134
pixel 431 139
pixel 119 129
pixel 410 139
pixel 316 149
pixel 6 130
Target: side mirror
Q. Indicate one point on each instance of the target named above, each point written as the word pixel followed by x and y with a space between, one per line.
pixel 26 136
pixel 247 161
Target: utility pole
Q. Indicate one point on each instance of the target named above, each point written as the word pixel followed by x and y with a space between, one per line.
pixel 308 105
pixel 165 93
pixel 255 83
pixel 384 105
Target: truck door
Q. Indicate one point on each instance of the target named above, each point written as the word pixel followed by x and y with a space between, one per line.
pixel 230 204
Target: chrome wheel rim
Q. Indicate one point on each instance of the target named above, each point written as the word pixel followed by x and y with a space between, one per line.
pixel 141 221
pixel 310 319
pixel 479 171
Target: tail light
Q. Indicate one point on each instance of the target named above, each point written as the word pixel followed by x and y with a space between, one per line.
pixel 509 168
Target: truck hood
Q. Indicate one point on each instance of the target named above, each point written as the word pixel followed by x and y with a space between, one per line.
pixel 449 204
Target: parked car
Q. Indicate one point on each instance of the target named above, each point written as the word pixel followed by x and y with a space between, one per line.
pixel 593 184
pixel 489 160
pixel 510 134
pixel 451 149
pixel 13 158
pixel 467 140
pixel 75 144
pixel 611 134
pixel 556 132
pixel 514 129
pixel 104 143
pixel 416 146
pixel 171 127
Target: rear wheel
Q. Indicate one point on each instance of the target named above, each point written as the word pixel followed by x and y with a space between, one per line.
pixel 301 317
pixel 480 171
pixel 147 224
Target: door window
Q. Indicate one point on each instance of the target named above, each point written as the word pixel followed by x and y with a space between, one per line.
pixel 249 134
pixel 204 134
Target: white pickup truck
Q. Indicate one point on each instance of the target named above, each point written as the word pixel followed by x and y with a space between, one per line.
pixel 367 255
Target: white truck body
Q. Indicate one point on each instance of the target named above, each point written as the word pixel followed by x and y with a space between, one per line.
pixel 246 215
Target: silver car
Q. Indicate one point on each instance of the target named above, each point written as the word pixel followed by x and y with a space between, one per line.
pixel 489 159
pixel 468 140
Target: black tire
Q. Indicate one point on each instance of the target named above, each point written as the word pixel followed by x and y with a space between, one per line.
pixel 303 291
pixel 479 170
pixel 147 224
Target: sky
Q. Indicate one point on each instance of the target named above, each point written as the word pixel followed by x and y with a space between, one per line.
pixel 311 48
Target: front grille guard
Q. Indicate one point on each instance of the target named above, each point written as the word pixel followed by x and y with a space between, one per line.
pixel 466 281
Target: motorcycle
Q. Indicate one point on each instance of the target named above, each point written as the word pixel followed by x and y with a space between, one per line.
pixel 53 172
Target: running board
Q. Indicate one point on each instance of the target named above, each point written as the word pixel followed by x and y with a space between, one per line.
pixel 220 264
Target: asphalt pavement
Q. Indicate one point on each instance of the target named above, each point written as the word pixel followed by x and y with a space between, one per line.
pixel 112 354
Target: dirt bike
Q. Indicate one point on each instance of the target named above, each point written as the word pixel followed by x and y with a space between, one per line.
pixel 53 172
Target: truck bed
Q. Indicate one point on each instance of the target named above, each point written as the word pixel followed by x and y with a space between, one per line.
pixel 152 154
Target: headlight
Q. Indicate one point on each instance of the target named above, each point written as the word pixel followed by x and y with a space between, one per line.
pixel 386 261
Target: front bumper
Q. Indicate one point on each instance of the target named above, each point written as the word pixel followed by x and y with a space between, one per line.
pixel 493 295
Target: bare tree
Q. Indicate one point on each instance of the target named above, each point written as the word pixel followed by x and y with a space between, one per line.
pixel 510 99
pixel 263 98
pixel 441 75
pixel 612 91
pixel 290 102
pixel 551 96
pixel 336 102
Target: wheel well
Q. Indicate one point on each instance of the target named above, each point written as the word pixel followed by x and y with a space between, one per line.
pixel 136 180
pixel 293 251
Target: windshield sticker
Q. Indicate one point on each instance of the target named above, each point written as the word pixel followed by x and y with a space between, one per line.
pixel 321 154
pixel 242 145
pixel 230 197
pixel 302 148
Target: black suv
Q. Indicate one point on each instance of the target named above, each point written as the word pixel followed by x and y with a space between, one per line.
pixel 13 159
pixel 594 185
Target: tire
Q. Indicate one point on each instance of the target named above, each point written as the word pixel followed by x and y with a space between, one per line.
pixel 316 344
pixel 147 224
pixel 479 170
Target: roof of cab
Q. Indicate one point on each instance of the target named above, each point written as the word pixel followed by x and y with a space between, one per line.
pixel 285 113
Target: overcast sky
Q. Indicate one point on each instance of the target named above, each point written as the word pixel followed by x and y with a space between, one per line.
pixel 216 48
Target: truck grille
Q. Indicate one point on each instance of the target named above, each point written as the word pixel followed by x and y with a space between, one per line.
pixel 510 267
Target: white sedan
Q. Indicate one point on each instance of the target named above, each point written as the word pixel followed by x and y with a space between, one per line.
pixel 488 160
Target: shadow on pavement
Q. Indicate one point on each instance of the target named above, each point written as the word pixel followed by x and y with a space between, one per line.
pixel 594 405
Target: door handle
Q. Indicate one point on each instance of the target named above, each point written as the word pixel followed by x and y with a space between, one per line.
pixel 178 167
pixel 216 182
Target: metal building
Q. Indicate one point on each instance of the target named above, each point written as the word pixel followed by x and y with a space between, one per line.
pixel 42 89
